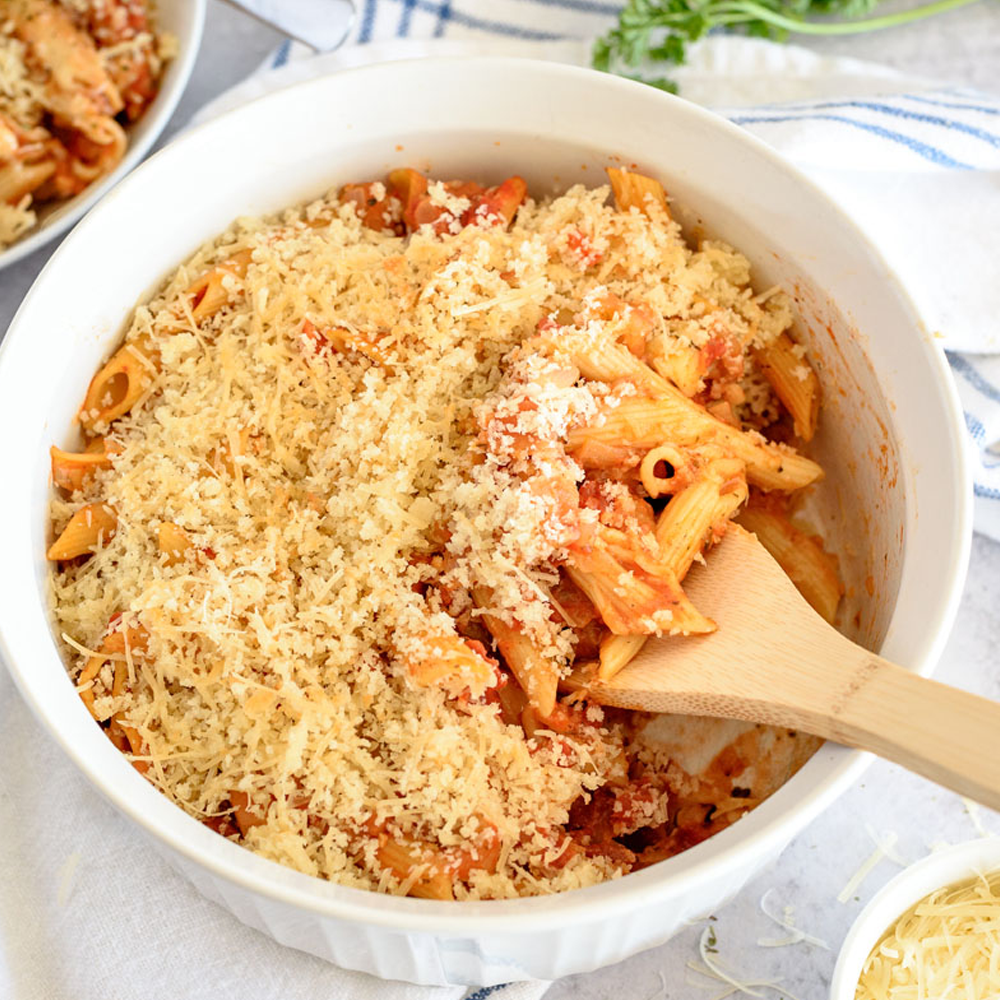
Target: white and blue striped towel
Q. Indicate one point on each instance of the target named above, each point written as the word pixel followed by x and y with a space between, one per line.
pixel 916 163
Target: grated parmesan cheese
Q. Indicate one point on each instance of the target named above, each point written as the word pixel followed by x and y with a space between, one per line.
pixel 946 946
pixel 341 507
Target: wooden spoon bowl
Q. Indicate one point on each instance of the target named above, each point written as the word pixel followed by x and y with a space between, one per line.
pixel 774 660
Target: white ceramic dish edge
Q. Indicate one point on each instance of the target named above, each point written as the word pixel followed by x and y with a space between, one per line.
pixel 490 942
pixel 937 870
pixel 186 20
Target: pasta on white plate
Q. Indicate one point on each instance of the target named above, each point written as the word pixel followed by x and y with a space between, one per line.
pixel 371 484
pixel 73 75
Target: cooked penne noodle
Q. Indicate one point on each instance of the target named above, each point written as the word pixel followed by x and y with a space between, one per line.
pixel 673 477
pixel 70 470
pixel 793 380
pixel 537 676
pixel 245 816
pixel 92 525
pixel 419 867
pixel 173 542
pixel 616 652
pixel 644 422
pixel 123 735
pixel 637 191
pixel 120 643
pixel 681 365
pixel 694 514
pixel 209 293
pixel 452 664
pixel 809 566
pixel 117 387
pixel 635 602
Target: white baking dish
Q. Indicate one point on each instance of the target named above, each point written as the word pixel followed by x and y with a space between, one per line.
pixel 896 500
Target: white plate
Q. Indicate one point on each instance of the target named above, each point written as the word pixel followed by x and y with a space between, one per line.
pixel 185 19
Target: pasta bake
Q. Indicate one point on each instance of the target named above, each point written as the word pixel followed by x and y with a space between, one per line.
pixel 375 487
pixel 73 75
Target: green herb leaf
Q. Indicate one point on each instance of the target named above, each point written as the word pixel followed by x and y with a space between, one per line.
pixel 657 31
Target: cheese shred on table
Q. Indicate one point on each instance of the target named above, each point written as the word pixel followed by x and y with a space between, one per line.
pixel 341 449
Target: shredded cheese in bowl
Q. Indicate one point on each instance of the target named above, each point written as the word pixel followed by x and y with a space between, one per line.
pixel 945 946
pixel 354 507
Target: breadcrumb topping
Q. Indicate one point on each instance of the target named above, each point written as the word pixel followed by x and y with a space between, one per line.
pixel 356 445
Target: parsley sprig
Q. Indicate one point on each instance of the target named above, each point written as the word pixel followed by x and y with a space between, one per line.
pixel 651 31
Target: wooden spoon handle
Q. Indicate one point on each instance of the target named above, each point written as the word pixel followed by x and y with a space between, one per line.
pixel 941 732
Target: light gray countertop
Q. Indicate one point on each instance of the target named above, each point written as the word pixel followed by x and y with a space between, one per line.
pixel 962 47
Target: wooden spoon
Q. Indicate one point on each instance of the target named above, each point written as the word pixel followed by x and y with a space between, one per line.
pixel 774 660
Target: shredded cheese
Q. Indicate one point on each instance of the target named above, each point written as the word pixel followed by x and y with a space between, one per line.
pixel 714 969
pixel 356 441
pixel 67 873
pixel 946 947
pixel 867 866
pixel 785 920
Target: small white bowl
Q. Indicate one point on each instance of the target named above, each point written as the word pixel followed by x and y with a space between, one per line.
pixel 936 871
pixel 185 20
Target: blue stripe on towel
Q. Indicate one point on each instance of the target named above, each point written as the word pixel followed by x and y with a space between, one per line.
pixel 486 991
pixel 281 56
pixel 928 152
pixel 482 24
pixel 584 6
pixel 367 21
pixel 889 109
pixel 954 107
pixel 975 426
pixel 444 16
pixel 980 384
pixel 446 13
pixel 984 493
pixel 404 21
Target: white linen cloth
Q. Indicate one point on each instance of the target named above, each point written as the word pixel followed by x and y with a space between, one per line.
pixel 87 909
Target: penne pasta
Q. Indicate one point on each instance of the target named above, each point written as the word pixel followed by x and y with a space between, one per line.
pixel 91 526
pixel 210 292
pixel 809 566
pixel 794 382
pixel 537 676
pixel 418 867
pixel 681 365
pixel 664 470
pixel 616 652
pixel 643 422
pixel 173 543
pixel 633 601
pixel 700 511
pixel 70 470
pixel 245 816
pixel 637 191
pixel 117 387
pixel 453 664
